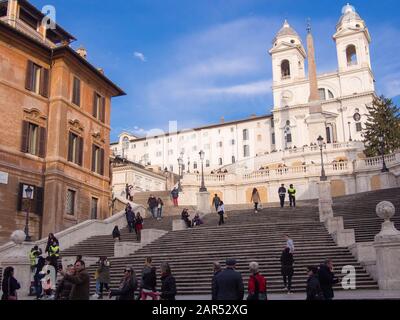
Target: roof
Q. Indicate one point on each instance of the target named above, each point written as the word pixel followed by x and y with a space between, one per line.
pixel 349 13
pixel 285 31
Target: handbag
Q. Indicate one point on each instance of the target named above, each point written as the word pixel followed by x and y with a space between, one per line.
pixel 10 297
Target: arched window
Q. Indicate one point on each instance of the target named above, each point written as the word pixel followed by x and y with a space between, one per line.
pixel 330 94
pixel 351 54
pixel 288 135
pixel 220 161
pixel 322 95
pixel 285 69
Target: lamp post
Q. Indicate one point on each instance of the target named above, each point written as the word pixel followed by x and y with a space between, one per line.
pixel 203 186
pixel 382 148
pixel 350 139
pixel 28 192
pixel 180 163
pixel 321 144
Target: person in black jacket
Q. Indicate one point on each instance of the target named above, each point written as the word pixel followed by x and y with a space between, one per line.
pixel 64 286
pixel 38 276
pixel 217 271
pixel 229 283
pixel 314 291
pixel 149 281
pixel 130 218
pixel 287 269
pixel 50 241
pixel 282 195
pixel 116 234
pixel 168 284
pixel 127 287
pixel 9 285
pixel 327 279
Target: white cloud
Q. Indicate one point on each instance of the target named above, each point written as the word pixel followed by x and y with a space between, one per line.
pixel 247 89
pixel 140 56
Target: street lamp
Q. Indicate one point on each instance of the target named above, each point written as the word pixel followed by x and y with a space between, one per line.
pixel 382 149
pixel 321 144
pixel 350 139
pixel 203 186
pixel 180 163
pixel 28 193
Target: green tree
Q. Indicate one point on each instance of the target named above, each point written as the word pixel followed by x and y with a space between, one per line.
pixel 383 120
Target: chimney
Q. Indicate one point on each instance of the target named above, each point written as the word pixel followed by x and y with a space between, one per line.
pixel 12 12
pixel 222 119
pixel 82 52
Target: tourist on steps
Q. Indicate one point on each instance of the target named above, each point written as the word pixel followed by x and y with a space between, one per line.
pixel 80 281
pixel 221 212
pixel 314 291
pixel 292 196
pixel 327 279
pixel 37 277
pixel 289 243
pixel 127 191
pixel 175 196
pixel 186 217
pixel 148 281
pixel 152 203
pixel 216 201
pixel 168 283
pixel 9 285
pixel 116 234
pixel 287 269
pixel 229 284
pixel 64 286
pixel 139 226
pixel 282 195
pixel 257 286
pixel 103 272
pixel 217 271
pixel 197 221
pixel 127 287
pixel 130 218
pixel 160 205
pixel 255 198
pixel 50 240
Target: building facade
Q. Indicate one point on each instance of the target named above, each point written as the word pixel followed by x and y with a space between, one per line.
pixel 331 105
pixel 55 131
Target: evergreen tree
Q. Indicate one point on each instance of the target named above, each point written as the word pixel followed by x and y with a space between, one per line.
pixel 383 120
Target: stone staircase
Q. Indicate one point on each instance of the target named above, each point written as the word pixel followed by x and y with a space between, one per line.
pixel 246 237
pixel 358 212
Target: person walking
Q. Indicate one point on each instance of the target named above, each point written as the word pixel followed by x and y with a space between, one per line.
pixel 314 291
pixel 116 234
pixel 217 270
pixel 130 218
pixel 127 191
pixel 48 279
pixel 282 195
pixel 289 243
pixel 149 281
pixel 175 196
pixel 287 269
pixel 255 198
pixel 38 276
pixel 327 279
pixel 50 241
pixel 80 280
pixel 138 226
pixel 103 272
pixel 64 286
pixel 160 205
pixel 127 287
pixel 229 283
pixel 221 212
pixel 257 286
pixel 216 201
pixel 152 203
pixel 292 196
pixel 9 285
pixel 168 283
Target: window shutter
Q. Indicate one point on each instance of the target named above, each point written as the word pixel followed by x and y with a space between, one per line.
pixel 29 75
pixel 25 136
pixel 103 109
pixel 70 145
pixel 39 201
pixel 93 158
pixel 80 151
pixel 76 97
pixel 20 191
pixel 44 82
pixel 42 142
pixel 102 162
pixel 95 104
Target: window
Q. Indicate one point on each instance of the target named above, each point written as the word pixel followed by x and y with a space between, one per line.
pixel 94 206
pixel 232 129
pixel 357 116
pixel 233 142
pixel 351 55
pixel 285 69
pixel 97 159
pixel 272 123
pixel 246 151
pixel 220 161
pixel 219 144
pixel 158 154
pixel 35 202
pixel 245 134
pixel 75 149
pixel 322 95
pixel 171 168
pixel 37 79
pixel 328 135
pixel 146 144
pixel 70 203
pixel 358 127
pixel 233 159
pixel 288 134
pixel 158 142
pixel 273 138
pixel 76 91
pixel 195 165
pixel 259 138
pixel 99 107
pixel 330 94
pixel 33 139
pixel 207 163
pixel 325 94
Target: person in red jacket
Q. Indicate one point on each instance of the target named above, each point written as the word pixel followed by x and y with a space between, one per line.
pixel 257 287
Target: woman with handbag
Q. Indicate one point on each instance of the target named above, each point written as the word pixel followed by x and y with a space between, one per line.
pixel 9 285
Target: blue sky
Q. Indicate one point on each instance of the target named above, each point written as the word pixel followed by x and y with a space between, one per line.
pixel 194 61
